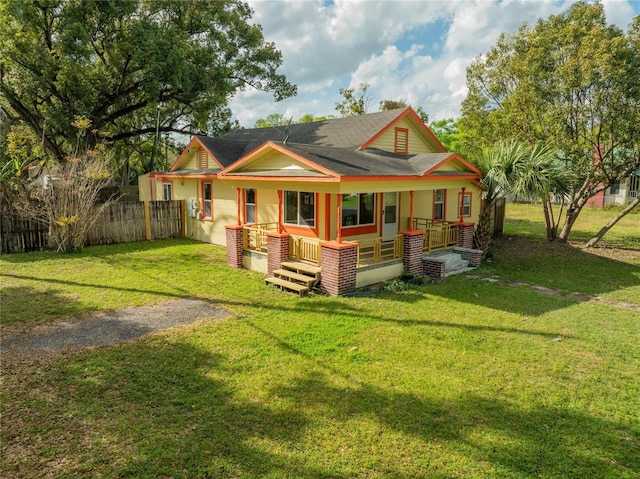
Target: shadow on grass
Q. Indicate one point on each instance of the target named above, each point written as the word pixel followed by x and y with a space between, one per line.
pixel 160 409
pixel 540 442
pixel 149 410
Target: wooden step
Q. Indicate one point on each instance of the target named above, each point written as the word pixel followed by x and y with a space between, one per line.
pixel 292 275
pixel 301 267
pixel 283 283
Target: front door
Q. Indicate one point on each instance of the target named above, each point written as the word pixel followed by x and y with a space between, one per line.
pixel 390 216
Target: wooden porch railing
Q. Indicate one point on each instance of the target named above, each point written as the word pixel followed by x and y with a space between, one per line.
pixel 379 250
pixel 306 250
pixel 254 237
pixel 437 234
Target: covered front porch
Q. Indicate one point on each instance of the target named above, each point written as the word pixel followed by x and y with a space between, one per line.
pixel 346 265
pixel 373 251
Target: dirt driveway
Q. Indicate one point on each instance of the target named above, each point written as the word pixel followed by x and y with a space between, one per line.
pixel 95 329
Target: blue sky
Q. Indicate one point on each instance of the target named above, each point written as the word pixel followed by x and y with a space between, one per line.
pixel 414 50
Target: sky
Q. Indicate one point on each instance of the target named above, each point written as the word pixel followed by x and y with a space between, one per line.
pixel 413 50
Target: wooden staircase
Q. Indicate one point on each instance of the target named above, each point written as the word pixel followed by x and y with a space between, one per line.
pixel 295 276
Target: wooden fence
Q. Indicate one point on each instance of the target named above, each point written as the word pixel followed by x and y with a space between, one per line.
pixel 120 222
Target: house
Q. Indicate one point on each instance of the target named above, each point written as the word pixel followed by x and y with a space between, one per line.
pixel 619 193
pixel 348 201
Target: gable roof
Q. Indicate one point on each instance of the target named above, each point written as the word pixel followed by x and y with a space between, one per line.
pixel 332 148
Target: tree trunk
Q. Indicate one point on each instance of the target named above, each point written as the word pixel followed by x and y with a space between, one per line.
pixel 611 223
pixel 548 218
pixel 482 238
pixel 573 211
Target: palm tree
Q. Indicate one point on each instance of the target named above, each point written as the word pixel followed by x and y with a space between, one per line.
pixel 498 165
pixel 542 175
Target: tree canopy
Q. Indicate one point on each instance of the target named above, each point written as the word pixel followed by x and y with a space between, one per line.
pixel 571 82
pixel 128 64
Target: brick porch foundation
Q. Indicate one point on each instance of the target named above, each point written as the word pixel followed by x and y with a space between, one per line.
pixel 234 246
pixel 338 275
pixel 278 246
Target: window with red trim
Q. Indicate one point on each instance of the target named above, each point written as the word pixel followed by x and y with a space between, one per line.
pixel 358 209
pixel 299 208
pixel 402 141
pixel 207 200
pixel 439 204
pixel 464 205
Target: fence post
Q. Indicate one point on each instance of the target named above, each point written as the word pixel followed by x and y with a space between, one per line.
pixel 147 219
pixel 183 218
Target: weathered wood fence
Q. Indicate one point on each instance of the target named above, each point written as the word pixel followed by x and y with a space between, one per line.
pixel 120 222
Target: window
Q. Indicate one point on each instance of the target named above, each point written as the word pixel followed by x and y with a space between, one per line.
pixel 299 208
pixel 167 191
pixel 358 209
pixel 249 206
pixel 438 204
pixel 402 141
pixel 203 160
pixel 207 196
pixel 614 189
pixel 464 204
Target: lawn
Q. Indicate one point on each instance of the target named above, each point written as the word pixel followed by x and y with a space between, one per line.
pixel 504 372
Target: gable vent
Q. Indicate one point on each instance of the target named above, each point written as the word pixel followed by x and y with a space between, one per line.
pixel 402 141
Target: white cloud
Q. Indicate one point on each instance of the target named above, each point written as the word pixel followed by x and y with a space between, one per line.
pixel 412 50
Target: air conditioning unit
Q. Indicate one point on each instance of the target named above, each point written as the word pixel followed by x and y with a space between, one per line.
pixel 192 208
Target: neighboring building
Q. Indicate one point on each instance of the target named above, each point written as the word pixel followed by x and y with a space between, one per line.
pixel 619 193
pixel 355 190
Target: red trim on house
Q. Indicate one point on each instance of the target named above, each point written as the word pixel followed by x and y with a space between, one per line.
pixel 327 215
pixel 359 230
pixel 337 245
pixel 339 230
pixel 420 124
pixel 303 230
pixel 202 183
pixel 411 194
pixel 187 151
pixel 478 173
pixel 280 214
pixel 271 145
pixel 398 131
pixel 444 205
pixel 241 220
pixel 461 204
pixel 203 176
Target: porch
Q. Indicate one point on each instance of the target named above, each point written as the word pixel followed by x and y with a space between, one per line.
pixel 347 265
pixel 437 235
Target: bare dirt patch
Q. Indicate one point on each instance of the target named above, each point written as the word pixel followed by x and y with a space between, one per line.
pixel 96 329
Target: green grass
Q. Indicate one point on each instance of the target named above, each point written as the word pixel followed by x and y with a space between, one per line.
pixel 465 378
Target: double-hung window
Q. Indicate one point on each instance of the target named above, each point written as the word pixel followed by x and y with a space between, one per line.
pixel 299 208
pixel 250 206
pixel 464 204
pixel 358 209
pixel 438 205
pixel 207 200
pixel 167 191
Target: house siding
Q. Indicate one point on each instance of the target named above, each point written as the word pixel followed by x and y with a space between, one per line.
pixel 386 141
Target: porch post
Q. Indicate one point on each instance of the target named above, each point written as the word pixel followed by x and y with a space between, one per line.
pixel 411 193
pixel 461 205
pixel 339 221
pixel 238 201
pixel 280 206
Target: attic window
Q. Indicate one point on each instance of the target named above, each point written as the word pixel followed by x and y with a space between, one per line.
pixel 203 160
pixel 402 141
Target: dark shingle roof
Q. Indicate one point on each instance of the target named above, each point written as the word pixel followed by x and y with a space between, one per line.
pixel 331 144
